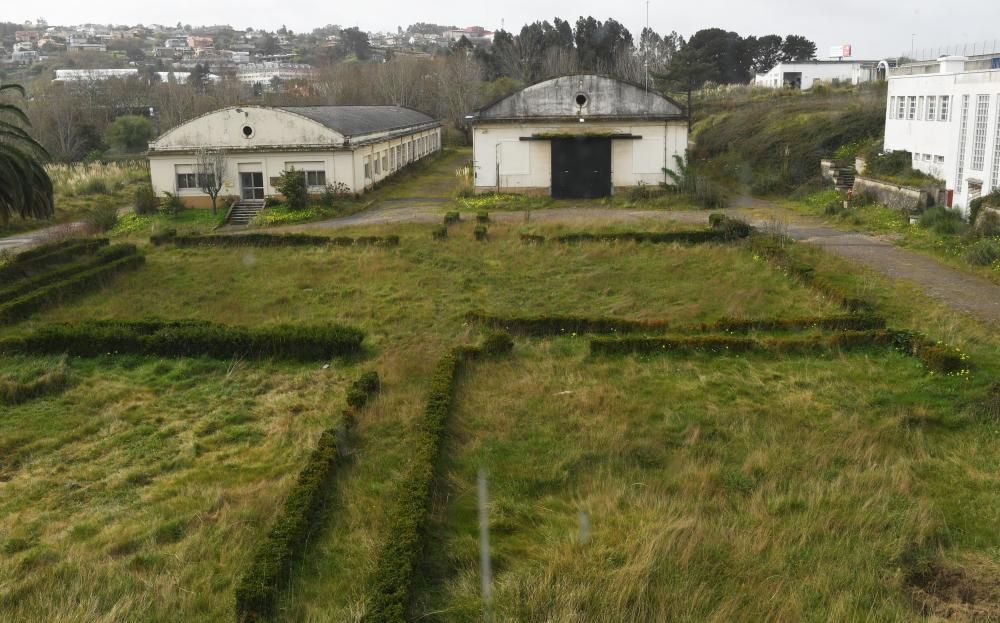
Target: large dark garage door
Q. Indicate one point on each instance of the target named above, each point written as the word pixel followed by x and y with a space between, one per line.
pixel 581 167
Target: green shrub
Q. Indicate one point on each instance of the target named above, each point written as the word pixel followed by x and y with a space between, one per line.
pixel 983 252
pixel 643 192
pixel 497 343
pixel 40 260
pixel 450 218
pixel 292 186
pixel 942 220
pixel 274 240
pixel 440 233
pixel 189 339
pixel 334 192
pixel 397 562
pixel 482 216
pixel 480 232
pixel 163 237
pixel 144 201
pixel 260 584
pixel 935 357
pixel 104 255
pixel 726 229
pixel 532 239
pixel 79 283
pixel 396 565
pixel 362 390
pixel 171 204
pixel 103 218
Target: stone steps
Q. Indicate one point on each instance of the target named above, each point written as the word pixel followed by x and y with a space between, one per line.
pixel 244 211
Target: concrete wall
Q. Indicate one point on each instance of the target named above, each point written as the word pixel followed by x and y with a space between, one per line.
pixel 344 165
pixel 935 142
pixel 526 166
pixel 902 198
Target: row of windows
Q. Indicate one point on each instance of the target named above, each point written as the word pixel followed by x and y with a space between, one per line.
pixel 920 107
pixel 927 158
pixel 394 158
pixel 193 181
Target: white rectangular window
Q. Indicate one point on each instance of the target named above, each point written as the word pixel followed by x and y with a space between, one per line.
pixel 927 157
pixel 920 108
pixel 938 159
pixel 368 168
pixel 892 108
pixel 315 172
pixel 945 108
pixel 979 133
pixel 931 108
pixel 186 180
pixel 901 107
pixel 315 178
pixel 385 161
pixel 960 154
pixel 911 107
pixel 378 167
pixel 392 158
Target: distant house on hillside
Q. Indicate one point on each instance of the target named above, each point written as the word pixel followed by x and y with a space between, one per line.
pixel 577 136
pixel 802 75
pixel 353 146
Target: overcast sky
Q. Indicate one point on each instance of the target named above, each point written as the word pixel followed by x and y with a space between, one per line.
pixel 876 28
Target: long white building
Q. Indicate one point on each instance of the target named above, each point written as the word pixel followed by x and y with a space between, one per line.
pixel 947 114
pixel 354 146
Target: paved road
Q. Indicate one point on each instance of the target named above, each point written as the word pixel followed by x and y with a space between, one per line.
pixel 37 236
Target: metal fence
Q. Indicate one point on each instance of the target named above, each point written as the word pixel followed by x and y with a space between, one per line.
pixel 961 49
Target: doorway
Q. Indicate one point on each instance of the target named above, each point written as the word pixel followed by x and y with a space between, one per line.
pixel 581 167
pixel 251 185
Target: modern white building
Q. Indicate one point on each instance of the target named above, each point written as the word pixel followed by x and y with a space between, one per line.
pixel 577 136
pixel 352 146
pixel 804 74
pixel 947 115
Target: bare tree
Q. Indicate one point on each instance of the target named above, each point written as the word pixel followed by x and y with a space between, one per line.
pixel 459 85
pixel 211 172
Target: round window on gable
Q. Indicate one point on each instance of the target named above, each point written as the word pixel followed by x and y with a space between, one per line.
pixel 247 131
pixel 581 99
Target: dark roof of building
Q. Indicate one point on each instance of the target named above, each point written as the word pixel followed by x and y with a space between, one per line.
pixel 361 120
pixel 582 95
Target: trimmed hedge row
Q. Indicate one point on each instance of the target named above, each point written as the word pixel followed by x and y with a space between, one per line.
pixel 105 255
pixel 50 247
pixel 397 562
pixel 258 589
pixel 189 339
pixel 776 252
pixel 79 283
pixel 396 566
pixel 935 357
pixel 22 267
pixel 273 240
pixel 560 325
pixel 722 228
pixel 665 237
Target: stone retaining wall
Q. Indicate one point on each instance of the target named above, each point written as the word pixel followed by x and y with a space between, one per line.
pixel 902 198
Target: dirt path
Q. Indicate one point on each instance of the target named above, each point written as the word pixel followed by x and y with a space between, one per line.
pixel 35 237
pixel 959 290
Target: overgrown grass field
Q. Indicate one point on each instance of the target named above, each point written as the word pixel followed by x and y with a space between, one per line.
pixel 714 488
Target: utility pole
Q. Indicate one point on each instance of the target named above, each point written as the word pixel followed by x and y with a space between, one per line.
pixel 913 40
